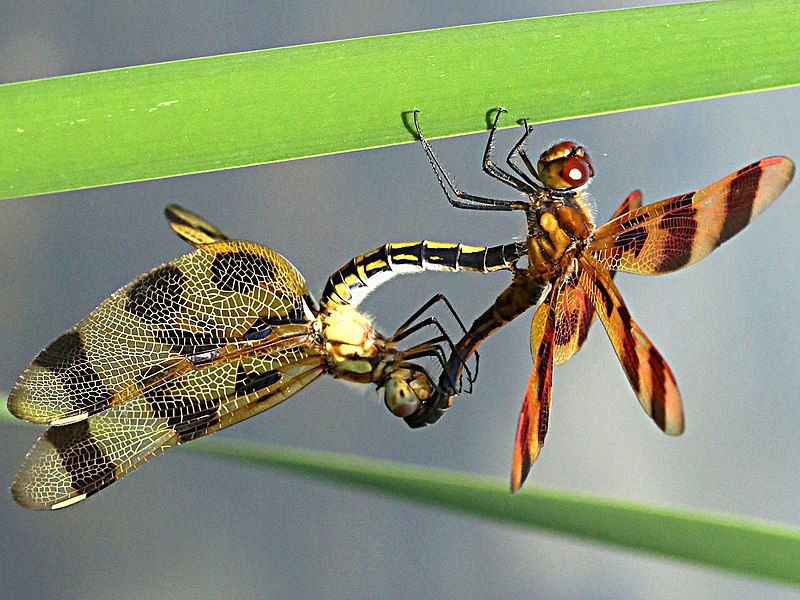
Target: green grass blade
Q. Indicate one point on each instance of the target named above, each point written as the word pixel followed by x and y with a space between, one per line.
pixel 727 542
pixel 228 111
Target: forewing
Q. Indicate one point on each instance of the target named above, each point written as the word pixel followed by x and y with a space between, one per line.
pixel 647 371
pixel 574 310
pixel 220 296
pixel 71 462
pixel 192 228
pixel 533 417
pixel 673 233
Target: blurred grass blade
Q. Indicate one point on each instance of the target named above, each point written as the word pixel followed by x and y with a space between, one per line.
pixel 744 546
pixel 220 112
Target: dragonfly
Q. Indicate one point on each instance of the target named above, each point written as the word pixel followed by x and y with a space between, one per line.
pixel 210 339
pixel 571 264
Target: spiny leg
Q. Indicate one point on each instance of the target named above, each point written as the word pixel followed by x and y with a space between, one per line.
pixel 518 150
pixel 447 185
pixel 491 168
pixel 431 348
pixel 435 299
pixel 431 321
pixel 439 297
pixel 523 154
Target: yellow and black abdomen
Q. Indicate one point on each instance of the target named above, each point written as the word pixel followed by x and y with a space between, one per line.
pixel 356 279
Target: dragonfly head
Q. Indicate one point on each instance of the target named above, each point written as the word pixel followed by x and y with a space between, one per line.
pixel 565 167
pixel 405 390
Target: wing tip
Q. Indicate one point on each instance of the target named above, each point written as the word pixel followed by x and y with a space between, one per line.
pixel 19 407
pixel 785 174
pixel 21 495
pixel 524 457
pixel 675 424
pixel 519 472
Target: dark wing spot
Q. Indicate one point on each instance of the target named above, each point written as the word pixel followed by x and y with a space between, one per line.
pixel 681 225
pixel 630 359
pixel 260 329
pixel 544 391
pixel 240 271
pixel 157 296
pixel 248 383
pixel 544 416
pixel 81 457
pixel 631 240
pixel 565 328
pixel 739 202
pixel 196 424
pixel 66 357
pixel 63 351
pixel 525 437
pixel 605 298
pixel 189 417
pixel 659 387
pixel 188 343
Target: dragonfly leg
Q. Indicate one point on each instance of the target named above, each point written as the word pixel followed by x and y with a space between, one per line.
pixel 519 150
pixel 462 199
pixel 403 331
pixel 491 168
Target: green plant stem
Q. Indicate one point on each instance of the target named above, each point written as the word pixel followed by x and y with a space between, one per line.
pixel 221 112
pixel 746 546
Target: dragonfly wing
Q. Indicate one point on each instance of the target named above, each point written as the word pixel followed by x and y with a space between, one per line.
pixel 671 234
pixel 574 310
pixel 192 228
pixel 535 412
pixel 647 371
pixel 573 317
pixel 71 462
pixel 226 293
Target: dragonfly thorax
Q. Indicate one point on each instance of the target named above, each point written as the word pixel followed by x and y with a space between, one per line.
pixel 352 345
pixel 556 229
pixel 356 352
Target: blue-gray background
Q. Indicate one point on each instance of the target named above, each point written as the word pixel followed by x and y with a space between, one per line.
pixel 188 527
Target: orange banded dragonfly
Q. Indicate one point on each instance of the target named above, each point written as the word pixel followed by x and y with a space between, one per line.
pixel 208 340
pixel 571 262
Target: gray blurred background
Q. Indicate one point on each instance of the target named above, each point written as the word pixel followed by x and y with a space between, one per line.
pixel 187 527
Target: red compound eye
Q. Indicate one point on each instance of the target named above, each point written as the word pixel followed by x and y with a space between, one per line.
pixel 576 171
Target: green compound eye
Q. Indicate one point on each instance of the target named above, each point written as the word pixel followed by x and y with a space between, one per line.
pixel 400 398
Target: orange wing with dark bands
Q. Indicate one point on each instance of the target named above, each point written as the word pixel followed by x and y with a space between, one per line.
pixel 673 233
pixel 535 412
pixel 574 311
pixel 647 371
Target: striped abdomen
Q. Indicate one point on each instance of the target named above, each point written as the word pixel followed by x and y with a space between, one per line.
pixel 356 279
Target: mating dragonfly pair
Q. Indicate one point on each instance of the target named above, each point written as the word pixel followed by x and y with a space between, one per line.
pixel 231 330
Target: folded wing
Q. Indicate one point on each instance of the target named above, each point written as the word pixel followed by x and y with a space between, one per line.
pixel 71 462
